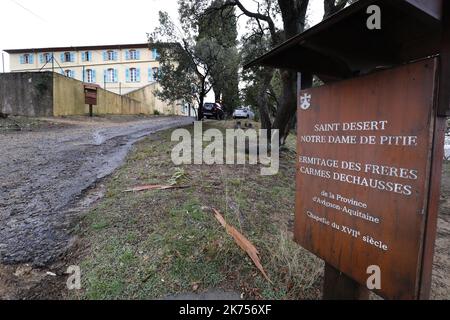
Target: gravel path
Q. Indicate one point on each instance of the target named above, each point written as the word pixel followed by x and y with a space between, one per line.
pixel 43 172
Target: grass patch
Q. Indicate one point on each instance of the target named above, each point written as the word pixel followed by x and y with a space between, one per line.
pixel 152 244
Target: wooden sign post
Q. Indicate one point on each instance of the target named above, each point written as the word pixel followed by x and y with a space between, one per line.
pixel 363 178
pixel 370 143
pixel 90 96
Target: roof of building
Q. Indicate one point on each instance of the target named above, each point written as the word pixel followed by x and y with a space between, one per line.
pixel 342 46
pixel 79 48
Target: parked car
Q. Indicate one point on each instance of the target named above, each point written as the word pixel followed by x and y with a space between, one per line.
pixel 447 147
pixel 243 113
pixel 213 111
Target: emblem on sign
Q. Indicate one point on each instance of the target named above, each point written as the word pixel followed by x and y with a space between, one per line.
pixel 305 101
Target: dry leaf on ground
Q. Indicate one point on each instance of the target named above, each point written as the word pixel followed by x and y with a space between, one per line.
pixel 154 187
pixel 242 242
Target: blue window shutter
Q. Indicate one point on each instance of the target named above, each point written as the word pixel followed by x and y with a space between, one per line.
pixel 150 75
pixel 83 56
pixel 127 55
pixel 62 57
pixel 105 56
pixel 138 54
pixel 90 55
pixel 32 58
pixel 41 58
pixel 127 75
pixel 105 75
pixel 72 74
pixel 116 75
pixel 94 76
pixel 116 55
pixel 72 57
pixel 22 59
pixel 155 74
pixel 138 75
pixel 154 54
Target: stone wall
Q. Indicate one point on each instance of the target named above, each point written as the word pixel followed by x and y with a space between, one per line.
pixel 69 100
pixel 147 95
pixel 46 94
pixel 26 94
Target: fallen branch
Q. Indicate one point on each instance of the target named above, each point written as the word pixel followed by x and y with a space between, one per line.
pixel 242 242
pixel 155 187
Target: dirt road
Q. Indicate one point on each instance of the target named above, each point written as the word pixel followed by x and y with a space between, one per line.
pixel 42 174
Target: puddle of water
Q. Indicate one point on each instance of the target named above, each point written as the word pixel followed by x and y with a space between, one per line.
pixel 98 138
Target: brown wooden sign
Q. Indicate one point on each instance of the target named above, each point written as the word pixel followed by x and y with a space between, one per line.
pixel 363 175
pixel 90 94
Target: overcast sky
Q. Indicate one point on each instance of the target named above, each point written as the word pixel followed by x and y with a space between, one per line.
pixel 50 23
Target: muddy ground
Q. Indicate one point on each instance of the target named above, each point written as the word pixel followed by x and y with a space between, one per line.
pixel 45 168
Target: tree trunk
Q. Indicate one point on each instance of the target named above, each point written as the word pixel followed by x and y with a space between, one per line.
pixel 202 102
pixel 217 93
pixel 263 101
pixel 288 104
pixel 294 18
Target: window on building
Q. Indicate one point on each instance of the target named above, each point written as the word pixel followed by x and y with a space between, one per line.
pixel 26 58
pixel 47 57
pixel 133 54
pixel 69 73
pixel 155 54
pixel 90 76
pixel 67 57
pixel 133 75
pixel 155 73
pixel 111 75
pixel 87 56
pixel 111 55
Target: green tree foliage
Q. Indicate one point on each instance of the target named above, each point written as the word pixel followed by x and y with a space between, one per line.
pixel 258 80
pixel 266 19
pixel 263 25
pixel 196 57
pixel 183 72
pixel 222 26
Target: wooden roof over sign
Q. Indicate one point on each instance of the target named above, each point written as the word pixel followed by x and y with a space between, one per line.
pixel 342 46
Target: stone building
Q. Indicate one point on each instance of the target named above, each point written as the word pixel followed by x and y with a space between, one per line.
pixel 117 68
